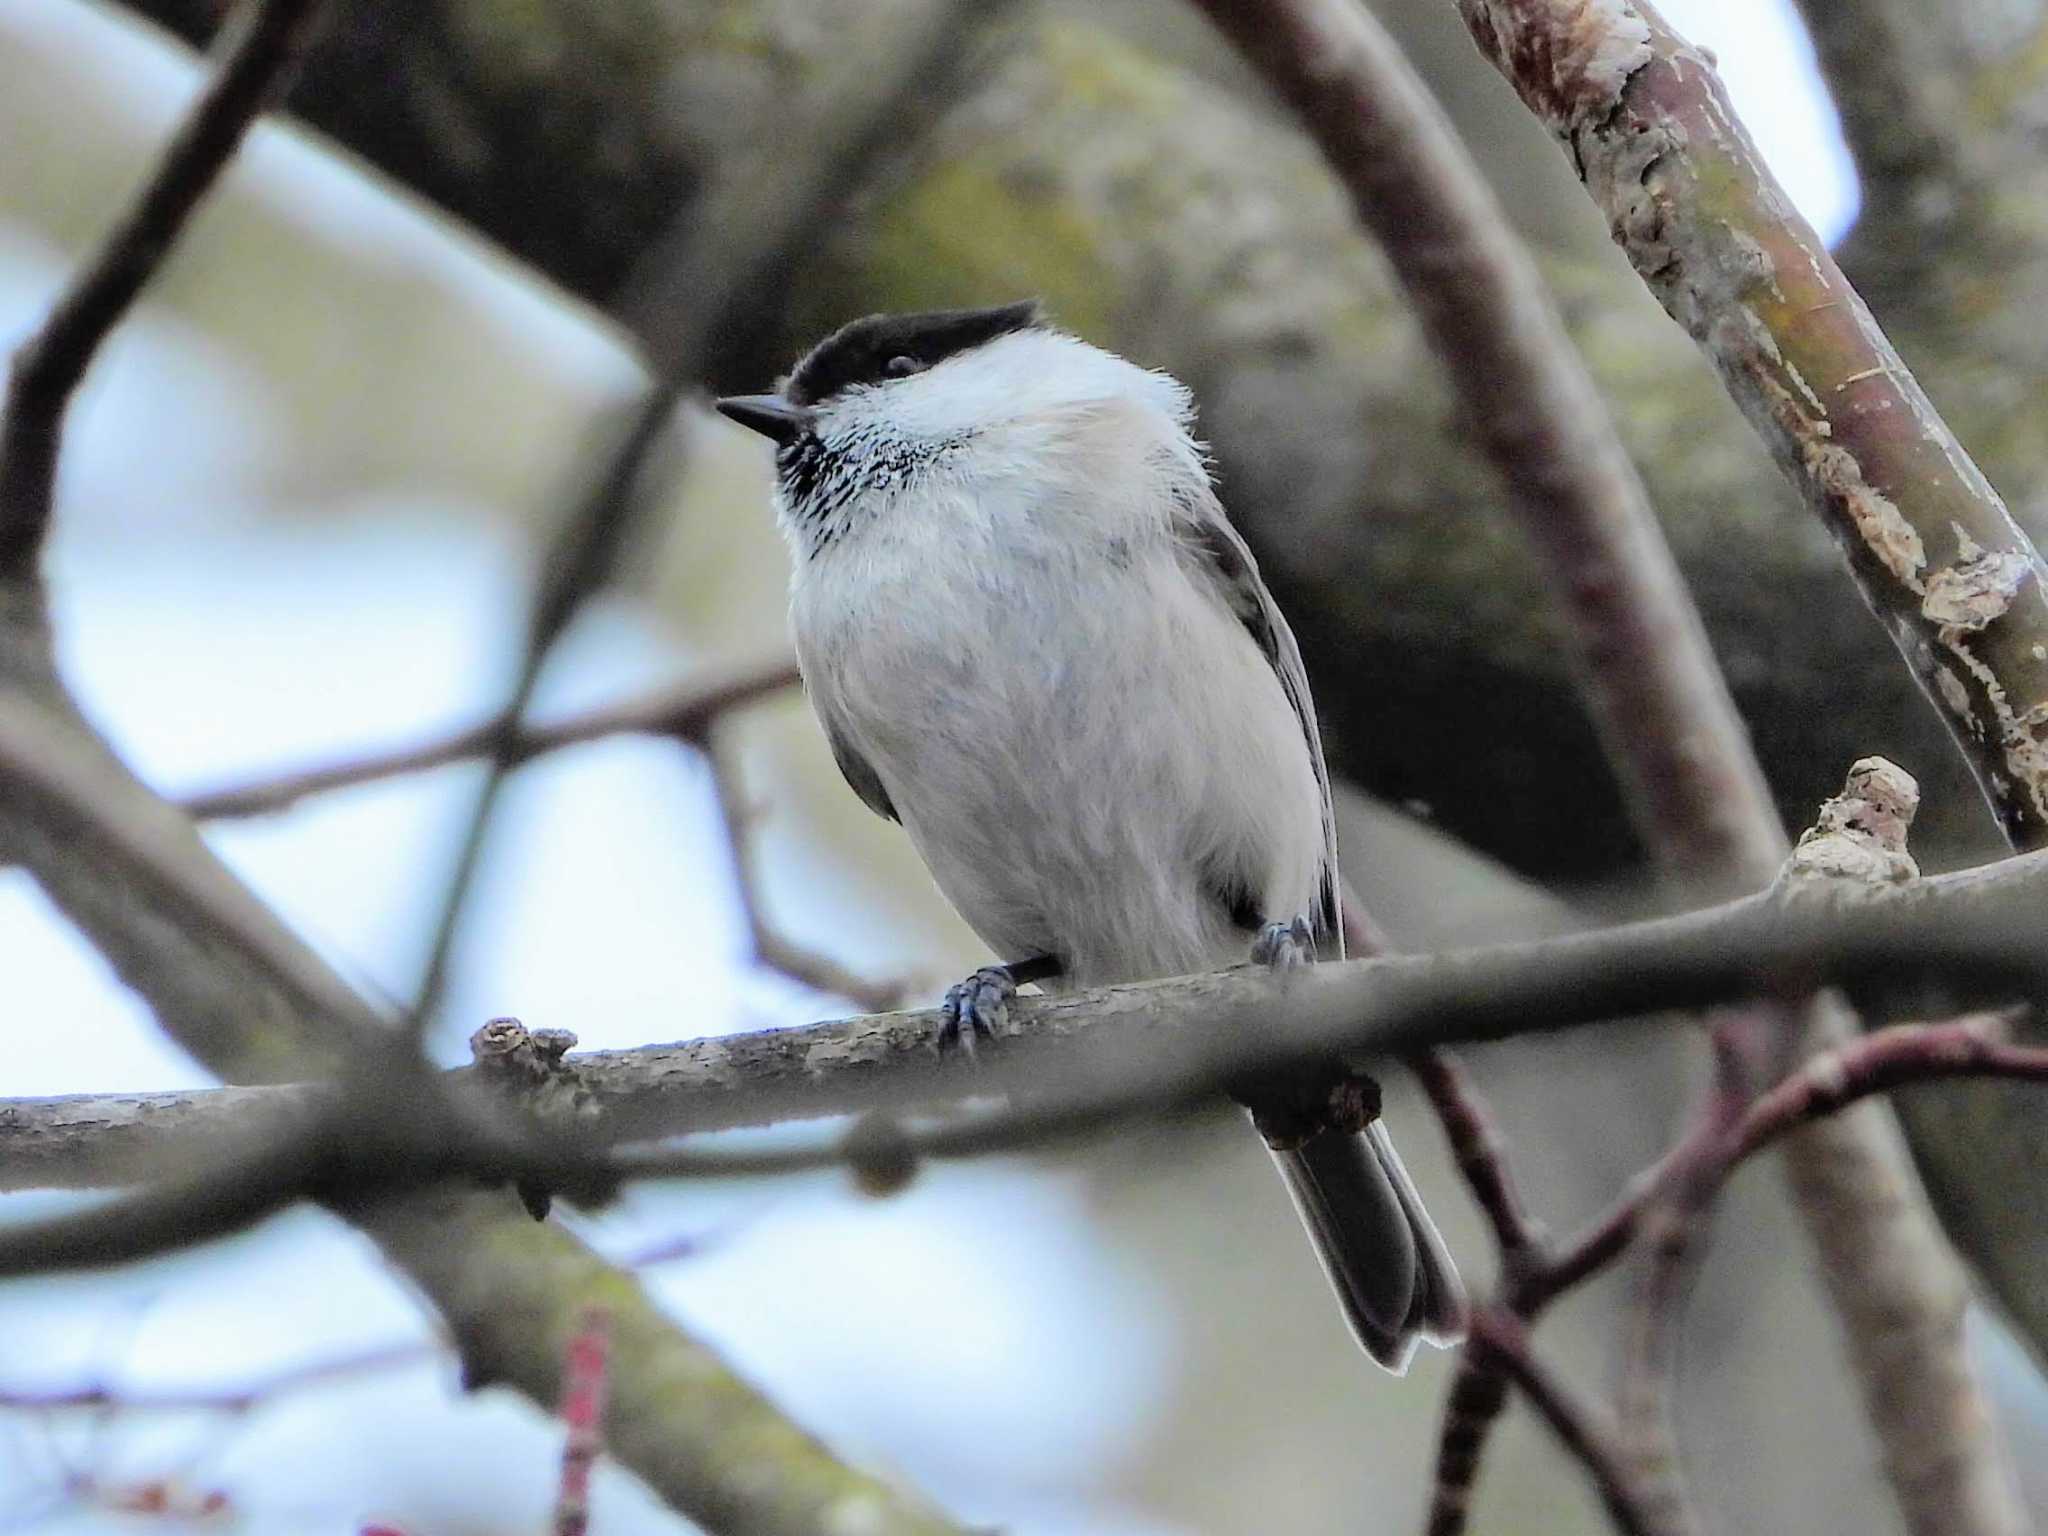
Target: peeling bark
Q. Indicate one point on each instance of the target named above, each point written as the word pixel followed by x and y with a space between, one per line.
pixel 1700 217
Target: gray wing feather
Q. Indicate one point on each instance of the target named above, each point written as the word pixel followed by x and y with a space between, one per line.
pixel 1222 552
pixel 860 773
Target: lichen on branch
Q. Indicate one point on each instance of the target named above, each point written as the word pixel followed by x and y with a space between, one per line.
pixel 1954 579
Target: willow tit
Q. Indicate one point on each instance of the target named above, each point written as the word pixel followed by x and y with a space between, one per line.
pixel 1034 639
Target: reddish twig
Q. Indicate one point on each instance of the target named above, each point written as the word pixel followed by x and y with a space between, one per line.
pixel 240 1399
pixel 1665 1209
pixel 1501 1341
pixel 583 1392
pixel 1880 1062
pixel 1481 1154
pixel 268 39
pixel 1478 1397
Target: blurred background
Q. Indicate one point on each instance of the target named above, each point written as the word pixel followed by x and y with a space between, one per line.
pixel 303 498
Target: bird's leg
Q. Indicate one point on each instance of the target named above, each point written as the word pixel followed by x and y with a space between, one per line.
pixel 1284 946
pixel 980 1005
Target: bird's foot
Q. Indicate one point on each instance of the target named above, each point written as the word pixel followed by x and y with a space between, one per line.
pixel 1285 946
pixel 977 1007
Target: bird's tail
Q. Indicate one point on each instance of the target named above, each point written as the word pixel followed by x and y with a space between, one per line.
pixel 1381 1251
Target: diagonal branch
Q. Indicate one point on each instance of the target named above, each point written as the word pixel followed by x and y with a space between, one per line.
pixel 268 36
pixel 771 948
pixel 1643 664
pixel 1499 1341
pixel 1954 579
pixel 1696 790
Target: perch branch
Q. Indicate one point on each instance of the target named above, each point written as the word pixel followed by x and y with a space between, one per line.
pixel 1147 1046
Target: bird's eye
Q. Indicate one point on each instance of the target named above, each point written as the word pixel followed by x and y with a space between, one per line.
pixel 902 367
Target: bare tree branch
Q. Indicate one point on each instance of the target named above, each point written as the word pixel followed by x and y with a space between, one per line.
pixel 771 948
pixel 1696 790
pixel 1499 1341
pixel 683 709
pixel 1643 664
pixel 268 38
pixel 1098 1054
pixel 1939 558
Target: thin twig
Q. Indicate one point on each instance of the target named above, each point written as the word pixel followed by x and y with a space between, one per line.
pixel 585 1370
pixel 1481 1155
pixel 267 38
pixel 682 709
pixel 1499 1337
pixel 1474 1404
pixel 238 1399
pixel 771 947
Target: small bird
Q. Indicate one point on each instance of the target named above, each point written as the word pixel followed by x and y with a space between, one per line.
pixel 1035 640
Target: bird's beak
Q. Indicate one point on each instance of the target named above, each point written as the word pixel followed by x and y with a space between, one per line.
pixel 770 415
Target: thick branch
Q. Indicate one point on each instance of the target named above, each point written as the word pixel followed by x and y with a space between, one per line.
pixel 1643 665
pixel 1957 583
pixel 1090 1056
pixel 47 369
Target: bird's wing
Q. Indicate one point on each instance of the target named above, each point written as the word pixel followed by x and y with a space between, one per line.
pixel 860 773
pixel 1220 550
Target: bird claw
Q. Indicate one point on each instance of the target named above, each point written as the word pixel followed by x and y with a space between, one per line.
pixel 978 1006
pixel 1283 947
